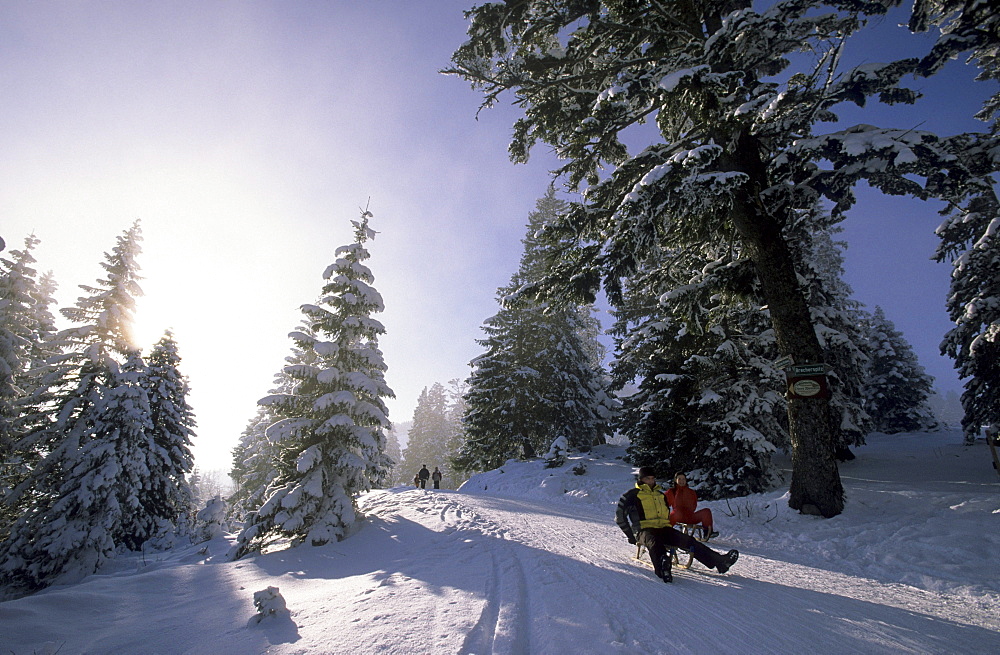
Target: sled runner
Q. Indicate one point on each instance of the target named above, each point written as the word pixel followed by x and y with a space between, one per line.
pixel 681 558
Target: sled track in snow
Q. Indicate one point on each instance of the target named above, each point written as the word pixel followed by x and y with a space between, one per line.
pixel 503 625
pixel 554 569
pixel 543 573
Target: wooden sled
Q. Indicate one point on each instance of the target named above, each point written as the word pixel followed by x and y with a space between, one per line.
pixel 681 557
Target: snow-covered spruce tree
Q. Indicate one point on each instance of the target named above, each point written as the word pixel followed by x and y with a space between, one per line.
pixel 947 408
pixel 81 497
pixel 971 240
pixel 432 439
pixel 26 330
pixel 39 377
pixel 458 389
pixel 17 331
pixel 897 389
pixel 540 376
pixel 255 458
pixel 26 326
pixel 167 497
pixel 116 481
pixel 840 324
pixel 969 233
pixel 736 154
pixel 395 454
pixel 96 508
pixel 255 461
pixel 709 399
pixel 331 431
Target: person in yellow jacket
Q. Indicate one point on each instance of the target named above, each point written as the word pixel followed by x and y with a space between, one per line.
pixel 644 517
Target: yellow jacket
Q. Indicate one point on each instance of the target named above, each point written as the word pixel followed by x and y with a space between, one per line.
pixel 642 507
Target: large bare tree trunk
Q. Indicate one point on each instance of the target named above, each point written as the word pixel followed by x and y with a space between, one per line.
pixel 816 485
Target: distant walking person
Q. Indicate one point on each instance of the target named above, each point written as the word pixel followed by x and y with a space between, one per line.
pixel 436 477
pixel 683 500
pixel 423 474
pixel 416 480
pixel 644 517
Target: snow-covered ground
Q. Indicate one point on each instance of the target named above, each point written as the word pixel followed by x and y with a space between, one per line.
pixel 528 560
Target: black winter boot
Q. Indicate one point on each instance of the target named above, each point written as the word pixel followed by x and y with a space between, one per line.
pixel 727 561
pixel 665 567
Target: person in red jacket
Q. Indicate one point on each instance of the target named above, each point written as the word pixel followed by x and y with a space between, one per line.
pixel 643 516
pixel 683 502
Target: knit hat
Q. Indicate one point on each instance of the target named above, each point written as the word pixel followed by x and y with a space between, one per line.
pixel 646 470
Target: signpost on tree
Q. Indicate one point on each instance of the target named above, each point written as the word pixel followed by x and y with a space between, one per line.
pixel 807 381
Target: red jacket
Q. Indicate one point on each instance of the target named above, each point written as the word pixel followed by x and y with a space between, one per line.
pixel 682 501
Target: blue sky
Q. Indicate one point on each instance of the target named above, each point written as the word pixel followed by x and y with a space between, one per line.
pixel 246 136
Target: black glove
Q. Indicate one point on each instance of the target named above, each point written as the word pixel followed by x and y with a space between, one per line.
pixel 631 538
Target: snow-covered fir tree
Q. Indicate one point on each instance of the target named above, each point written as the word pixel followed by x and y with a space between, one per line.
pixel 970 239
pixel 81 498
pixel 395 453
pixel 897 388
pixel 255 458
pixel 123 458
pixel 458 389
pixel 969 233
pixel 16 333
pixel 210 521
pixel 709 399
pixel 541 375
pixel 39 376
pixel 947 407
pixel 736 107
pixel 168 497
pixel 331 431
pixel 434 437
pixel 254 466
pixel 26 328
pixel 840 324
pixel 98 508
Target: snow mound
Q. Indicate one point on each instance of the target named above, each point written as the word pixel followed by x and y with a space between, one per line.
pixel 605 476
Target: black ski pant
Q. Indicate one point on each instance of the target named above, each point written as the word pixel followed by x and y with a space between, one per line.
pixel 657 540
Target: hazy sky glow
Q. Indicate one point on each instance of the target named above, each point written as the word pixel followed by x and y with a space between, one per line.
pixel 246 135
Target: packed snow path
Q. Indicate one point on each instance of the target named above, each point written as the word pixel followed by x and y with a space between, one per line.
pixel 555 579
pixel 527 559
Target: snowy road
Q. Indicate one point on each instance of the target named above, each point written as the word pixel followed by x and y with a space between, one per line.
pixel 527 560
pixel 560 578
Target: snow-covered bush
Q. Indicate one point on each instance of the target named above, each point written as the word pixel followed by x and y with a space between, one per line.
pixel 269 603
pixel 556 456
pixel 210 522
